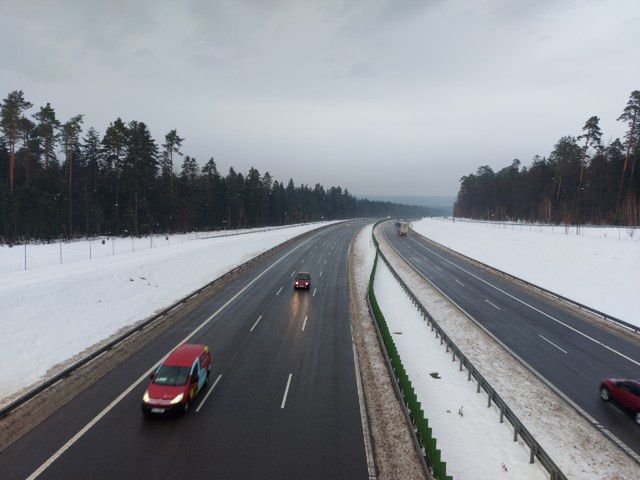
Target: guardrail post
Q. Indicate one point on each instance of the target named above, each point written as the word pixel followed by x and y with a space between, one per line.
pixel 478 390
pixel 532 453
pixel 516 430
pixel 502 414
pixel 489 396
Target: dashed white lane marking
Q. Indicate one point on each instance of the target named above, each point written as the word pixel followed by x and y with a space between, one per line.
pixel 286 391
pixel 573 329
pixel 459 282
pixel 325 262
pixel 292 273
pixel 304 324
pixel 278 292
pixel 320 273
pixel 492 304
pixel 314 292
pixel 547 340
pixel 256 324
pixel 208 393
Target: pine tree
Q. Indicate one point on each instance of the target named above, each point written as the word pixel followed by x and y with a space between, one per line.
pixel 70 136
pixel 114 143
pixel 10 116
pixel 47 127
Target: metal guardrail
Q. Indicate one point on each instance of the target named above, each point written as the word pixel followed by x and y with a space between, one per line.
pixel 519 430
pixel 121 338
pixel 557 296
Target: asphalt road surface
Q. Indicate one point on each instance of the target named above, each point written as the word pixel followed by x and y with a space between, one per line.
pixel 282 400
pixel 572 353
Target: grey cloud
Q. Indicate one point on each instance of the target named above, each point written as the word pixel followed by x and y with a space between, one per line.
pixel 382 96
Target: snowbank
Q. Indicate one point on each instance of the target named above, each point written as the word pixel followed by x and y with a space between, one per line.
pixel 600 267
pixel 472 441
pixel 60 310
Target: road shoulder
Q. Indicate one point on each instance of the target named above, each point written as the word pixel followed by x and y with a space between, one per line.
pixel 395 456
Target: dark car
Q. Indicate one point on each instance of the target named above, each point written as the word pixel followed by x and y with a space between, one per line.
pixel 302 280
pixel 625 393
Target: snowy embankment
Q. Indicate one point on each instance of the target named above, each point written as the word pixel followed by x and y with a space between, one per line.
pixel 598 267
pixel 472 441
pixel 38 255
pixel 58 311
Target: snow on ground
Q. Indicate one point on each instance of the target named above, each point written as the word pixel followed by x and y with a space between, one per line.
pixel 60 310
pixel 600 267
pixel 364 244
pixel 37 255
pixel 472 441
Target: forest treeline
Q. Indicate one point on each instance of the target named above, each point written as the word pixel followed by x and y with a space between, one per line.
pixel 57 179
pixel 581 181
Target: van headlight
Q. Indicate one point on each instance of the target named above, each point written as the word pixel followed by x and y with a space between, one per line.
pixel 177 399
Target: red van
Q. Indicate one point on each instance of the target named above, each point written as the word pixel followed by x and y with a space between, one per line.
pixel 178 380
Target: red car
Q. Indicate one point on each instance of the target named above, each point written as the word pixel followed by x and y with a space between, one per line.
pixel 178 380
pixel 302 280
pixel 624 392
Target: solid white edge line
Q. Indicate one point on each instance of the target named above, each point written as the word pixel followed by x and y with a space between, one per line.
pixel 363 413
pixel 547 340
pixel 278 292
pixel 598 342
pixel 304 324
pixel 286 391
pixel 607 433
pixel 492 304
pixel 255 324
pixel 145 375
pixel 208 393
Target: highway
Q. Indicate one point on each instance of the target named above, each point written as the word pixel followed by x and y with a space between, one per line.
pixel 569 351
pixel 282 402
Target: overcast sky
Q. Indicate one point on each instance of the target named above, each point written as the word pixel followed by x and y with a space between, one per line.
pixel 380 96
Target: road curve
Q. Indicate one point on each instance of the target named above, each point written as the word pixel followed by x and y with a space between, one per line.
pixel 571 352
pixel 283 402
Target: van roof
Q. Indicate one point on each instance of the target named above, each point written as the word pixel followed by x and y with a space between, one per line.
pixel 184 355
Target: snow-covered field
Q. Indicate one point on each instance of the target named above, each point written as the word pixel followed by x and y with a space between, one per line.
pixel 472 441
pixel 60 310
pixel 599 267
pixel 37 255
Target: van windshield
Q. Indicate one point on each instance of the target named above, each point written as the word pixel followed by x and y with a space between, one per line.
pixel 173 376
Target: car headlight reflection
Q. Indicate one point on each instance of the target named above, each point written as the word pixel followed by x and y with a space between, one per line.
pixel 177 399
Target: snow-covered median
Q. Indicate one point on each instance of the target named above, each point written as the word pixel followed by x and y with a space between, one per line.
pixel 599 268
pixel 472 441
pixel 50 314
